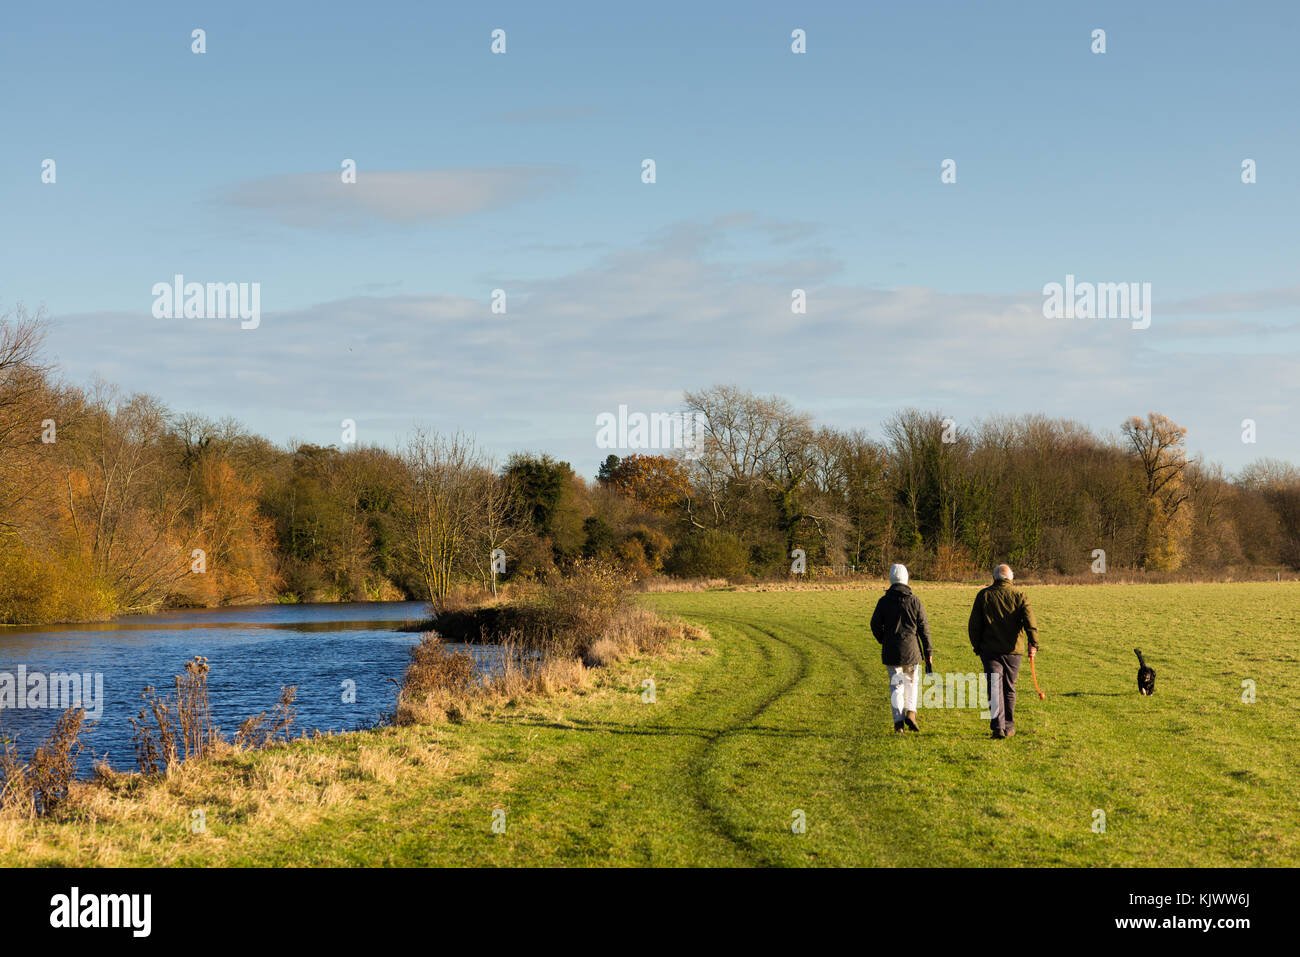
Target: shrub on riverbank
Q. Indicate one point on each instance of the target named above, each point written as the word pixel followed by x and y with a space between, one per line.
pixel 38 589
pixel 443 685
pixel 547 639
pixel 41 786
pixel 591 604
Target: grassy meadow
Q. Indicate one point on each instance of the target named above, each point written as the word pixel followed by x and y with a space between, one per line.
pixel 784 709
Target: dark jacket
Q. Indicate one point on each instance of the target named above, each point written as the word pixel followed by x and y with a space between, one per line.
pixel 898 624
pixel 997 618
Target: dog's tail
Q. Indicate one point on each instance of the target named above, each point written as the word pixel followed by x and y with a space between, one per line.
pixel 1141 661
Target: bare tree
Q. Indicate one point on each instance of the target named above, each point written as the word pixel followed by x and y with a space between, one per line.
pixel 501 520
pixel 757 455
pixel 24 389
pixel 440 510
pixel 122 500
pixel 1278 483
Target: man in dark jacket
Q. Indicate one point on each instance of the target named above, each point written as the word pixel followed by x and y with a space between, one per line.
pixel 997 619
pixel 900 626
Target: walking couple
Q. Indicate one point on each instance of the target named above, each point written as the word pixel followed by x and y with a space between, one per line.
pixel 998 620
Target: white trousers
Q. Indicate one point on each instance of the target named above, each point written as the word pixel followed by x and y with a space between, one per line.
pixel 904 683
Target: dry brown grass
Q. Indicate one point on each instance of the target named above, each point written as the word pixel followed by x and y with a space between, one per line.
pixel 442 685
pixel 169 732
pixel 518 671
pixel 546 641
pixel 638 631
pixel 171 738
pixel 564 617
pixel 954 576
pixel 1087 580
pixel 436 685
pixel 41 786
pixel 665 584
pixel 286 785
pixel 259 730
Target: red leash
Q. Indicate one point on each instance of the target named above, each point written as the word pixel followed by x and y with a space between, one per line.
pixel 1034 674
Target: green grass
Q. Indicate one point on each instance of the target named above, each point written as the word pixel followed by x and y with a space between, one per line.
pixel 786 709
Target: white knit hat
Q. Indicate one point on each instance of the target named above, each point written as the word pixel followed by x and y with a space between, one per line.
pixel 898 575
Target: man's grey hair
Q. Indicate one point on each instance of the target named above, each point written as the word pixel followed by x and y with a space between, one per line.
pixel 1003 573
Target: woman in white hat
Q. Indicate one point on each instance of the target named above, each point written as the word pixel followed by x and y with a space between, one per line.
pixel 900 626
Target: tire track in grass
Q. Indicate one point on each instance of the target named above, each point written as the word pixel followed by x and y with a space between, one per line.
pixel 798 642
pixel 855 781
pixel 698 769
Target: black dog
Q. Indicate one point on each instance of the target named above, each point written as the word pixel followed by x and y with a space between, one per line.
pixel 1146 676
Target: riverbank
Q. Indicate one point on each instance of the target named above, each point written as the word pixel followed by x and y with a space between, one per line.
pixel 376 796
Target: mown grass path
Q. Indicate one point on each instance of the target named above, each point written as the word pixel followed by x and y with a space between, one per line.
pixel 784 710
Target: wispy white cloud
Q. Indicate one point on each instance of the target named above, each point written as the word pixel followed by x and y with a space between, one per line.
pixel 1253 300
pixel 643 323
pixel 323 200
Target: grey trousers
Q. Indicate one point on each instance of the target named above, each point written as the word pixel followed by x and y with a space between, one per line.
pixel 1002 671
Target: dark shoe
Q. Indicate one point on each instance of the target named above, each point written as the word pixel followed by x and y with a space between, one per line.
pixel 910 721
pixel 997 735
pixel 898 727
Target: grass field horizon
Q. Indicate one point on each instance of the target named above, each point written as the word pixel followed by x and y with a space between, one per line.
pixel 784 709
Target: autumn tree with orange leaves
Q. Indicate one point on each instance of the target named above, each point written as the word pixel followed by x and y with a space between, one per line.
pixel 655 482
pixel 1157 441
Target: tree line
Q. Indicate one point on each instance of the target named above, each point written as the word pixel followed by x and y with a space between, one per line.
pixel 111 503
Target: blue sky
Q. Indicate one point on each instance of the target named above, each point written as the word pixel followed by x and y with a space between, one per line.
pixel 522 172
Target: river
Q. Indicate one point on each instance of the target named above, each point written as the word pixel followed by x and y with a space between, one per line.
pixel 251 651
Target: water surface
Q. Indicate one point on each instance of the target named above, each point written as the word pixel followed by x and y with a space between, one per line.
pixel 251 651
